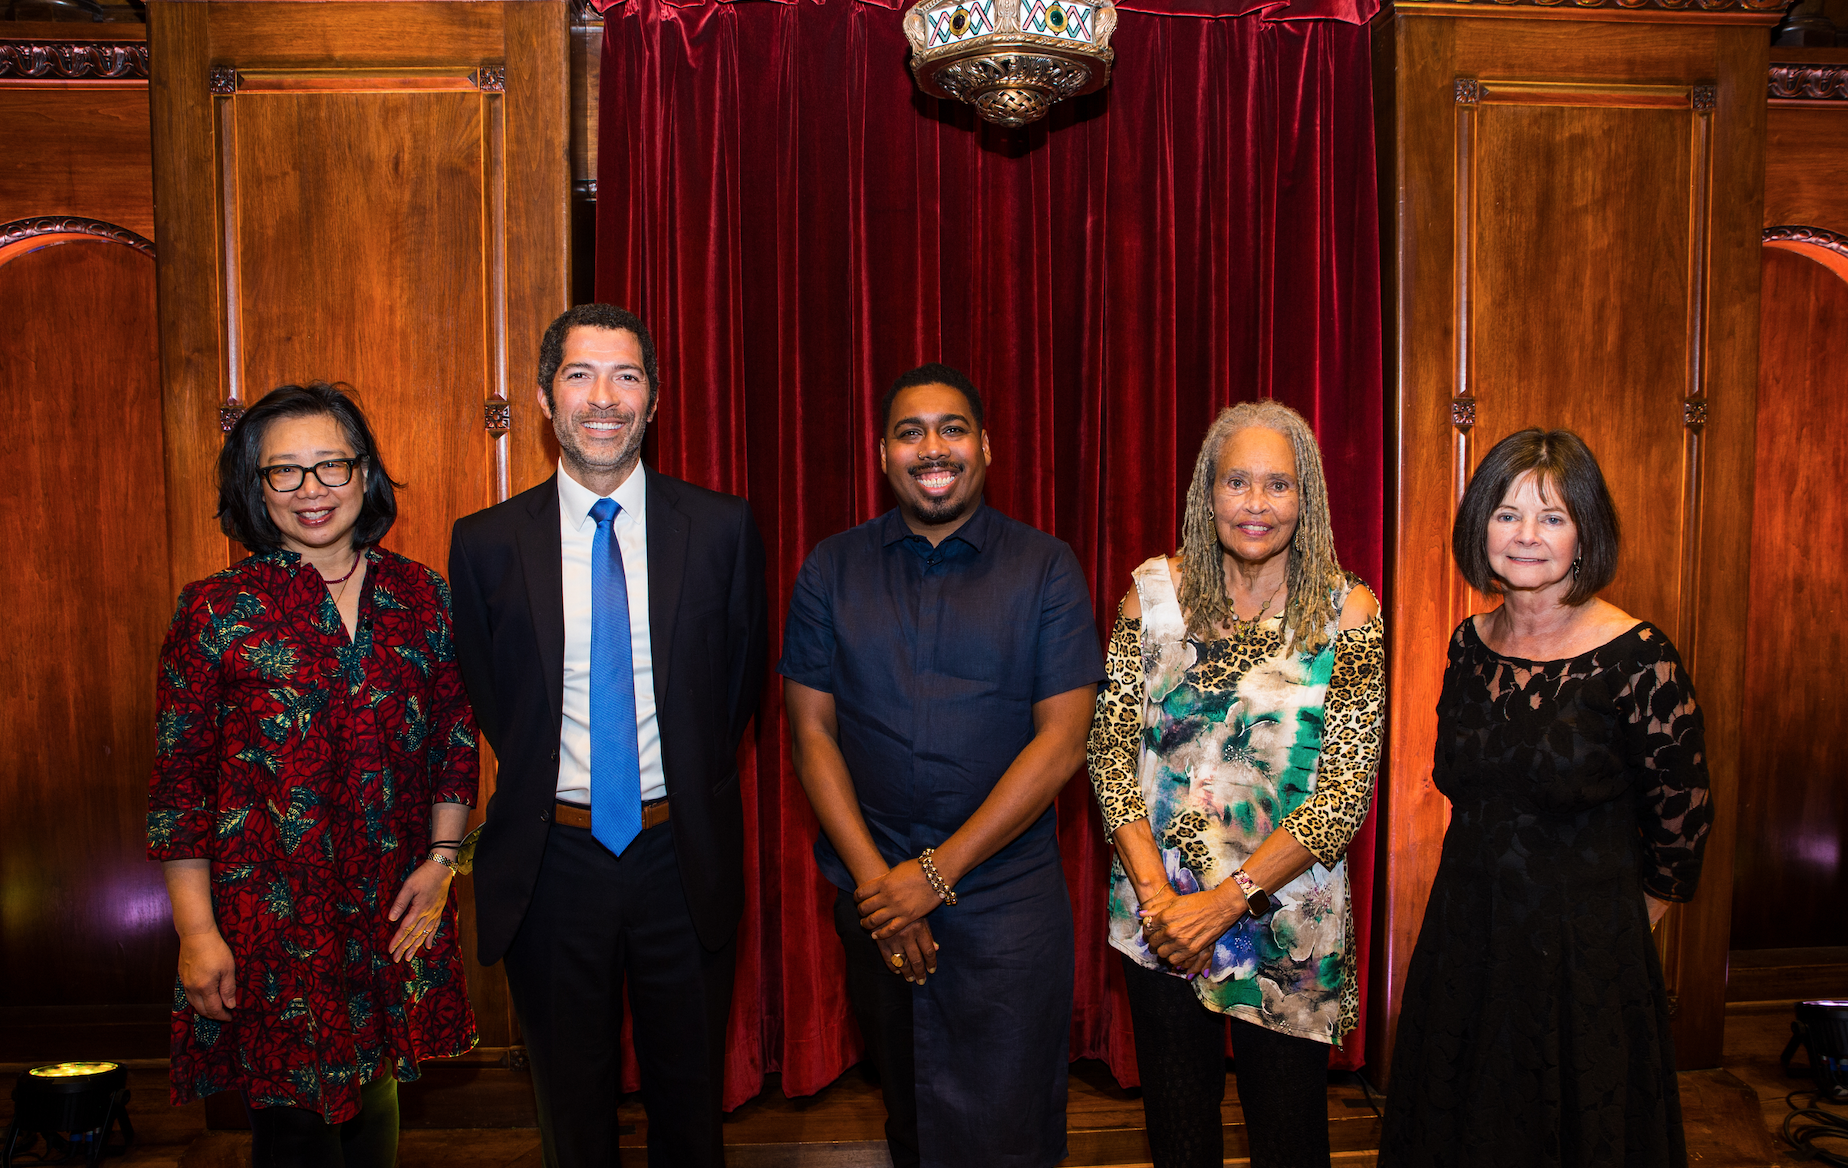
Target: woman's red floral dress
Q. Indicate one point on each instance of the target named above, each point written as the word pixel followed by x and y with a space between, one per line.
pixel 303 764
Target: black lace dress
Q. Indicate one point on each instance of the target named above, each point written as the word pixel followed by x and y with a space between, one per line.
pixel 1535 1024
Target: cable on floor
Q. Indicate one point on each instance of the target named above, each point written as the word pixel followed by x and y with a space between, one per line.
pixel 1805 1125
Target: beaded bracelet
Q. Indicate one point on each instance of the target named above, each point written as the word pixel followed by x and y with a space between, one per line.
pixel 937 884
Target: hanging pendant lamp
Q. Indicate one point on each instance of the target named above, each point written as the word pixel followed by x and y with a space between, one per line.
pixel 1011 59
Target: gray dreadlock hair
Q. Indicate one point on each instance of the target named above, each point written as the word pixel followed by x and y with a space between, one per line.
pixel 1315 575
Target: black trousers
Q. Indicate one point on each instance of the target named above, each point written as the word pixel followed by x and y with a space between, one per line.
pixel 294 1137
pixel 1180 1049
pixel 596 924
pixel 882 1006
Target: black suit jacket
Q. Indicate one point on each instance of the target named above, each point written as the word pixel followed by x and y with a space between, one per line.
pixel 707 630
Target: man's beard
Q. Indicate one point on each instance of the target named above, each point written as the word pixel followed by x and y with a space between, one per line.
pixel 624 455
pixel 937 512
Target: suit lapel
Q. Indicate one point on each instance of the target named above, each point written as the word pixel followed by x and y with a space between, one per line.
pixel 667 562
pixel 540 558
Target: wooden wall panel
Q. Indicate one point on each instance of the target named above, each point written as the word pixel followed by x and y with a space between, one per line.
pixel 1570 204
pixel 374 193
pixel 1793 812
pixel 77 145
pixel 83 917
pixel 1806 139
pixel 1806 165
pixel 105 172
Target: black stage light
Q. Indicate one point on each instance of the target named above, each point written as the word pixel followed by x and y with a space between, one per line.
pixel 74 1106
pixel 1822 1027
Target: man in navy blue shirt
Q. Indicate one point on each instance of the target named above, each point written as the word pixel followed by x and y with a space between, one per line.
pixel 940 668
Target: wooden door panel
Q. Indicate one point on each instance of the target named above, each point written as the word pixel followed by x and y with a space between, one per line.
pixel 360 234
pixel 1793 810
pixel 1572 201
pixel 84 592
pixel 1589 202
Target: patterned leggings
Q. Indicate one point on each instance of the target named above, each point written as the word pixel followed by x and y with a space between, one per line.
pixel 1180 1048
pixel 294 1137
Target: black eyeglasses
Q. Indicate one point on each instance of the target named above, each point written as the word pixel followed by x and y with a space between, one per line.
pixel 285 477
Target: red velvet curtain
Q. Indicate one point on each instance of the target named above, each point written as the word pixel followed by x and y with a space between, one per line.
pixel 799 224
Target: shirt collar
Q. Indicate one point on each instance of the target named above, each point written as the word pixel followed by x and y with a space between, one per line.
pixel 575 499
pixel 974 532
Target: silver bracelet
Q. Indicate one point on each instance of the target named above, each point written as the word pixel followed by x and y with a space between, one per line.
pixel 440 858
pixel 937 884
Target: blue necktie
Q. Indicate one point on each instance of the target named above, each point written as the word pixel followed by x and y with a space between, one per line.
pixel 615 757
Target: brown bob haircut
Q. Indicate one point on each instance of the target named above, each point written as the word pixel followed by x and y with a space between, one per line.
pixel 1561 462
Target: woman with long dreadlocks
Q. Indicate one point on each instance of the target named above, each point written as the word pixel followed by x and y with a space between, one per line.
pixel 1233 756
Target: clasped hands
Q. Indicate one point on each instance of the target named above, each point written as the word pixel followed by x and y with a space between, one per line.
pixel 892 908
pixel 1181 929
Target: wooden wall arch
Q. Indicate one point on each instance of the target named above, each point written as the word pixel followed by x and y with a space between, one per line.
pixel 85 595
pixel 1792 876
pixel 1828 248
pixel 83 513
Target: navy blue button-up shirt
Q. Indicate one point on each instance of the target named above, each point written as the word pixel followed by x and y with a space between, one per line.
pixel 935 656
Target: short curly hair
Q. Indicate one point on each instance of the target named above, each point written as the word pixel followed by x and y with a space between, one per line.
pixel 604 316
pixel 1560 461
pixel 934 373
pixel 242 513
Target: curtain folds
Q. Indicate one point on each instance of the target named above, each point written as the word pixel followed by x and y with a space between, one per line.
pixel 799 224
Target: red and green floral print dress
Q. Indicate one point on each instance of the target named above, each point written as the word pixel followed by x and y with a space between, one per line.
pixel 303 764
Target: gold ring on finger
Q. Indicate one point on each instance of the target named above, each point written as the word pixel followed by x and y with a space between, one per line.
pixel 898 959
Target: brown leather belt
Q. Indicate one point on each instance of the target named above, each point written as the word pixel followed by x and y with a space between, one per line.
pixel 654 814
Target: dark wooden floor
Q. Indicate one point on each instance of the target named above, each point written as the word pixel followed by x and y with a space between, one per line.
pixel 1732 1117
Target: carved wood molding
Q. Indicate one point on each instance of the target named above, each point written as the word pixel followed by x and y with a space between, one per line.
pixel 74 60
pixel 20 230
pixel 229 80
pixel 497 415
pixel 1814 236
pixel 1809 82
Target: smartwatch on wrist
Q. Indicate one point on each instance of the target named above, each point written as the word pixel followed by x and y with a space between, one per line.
pixel 1260 901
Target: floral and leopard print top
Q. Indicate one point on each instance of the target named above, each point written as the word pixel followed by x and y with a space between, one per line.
pixel 1220 743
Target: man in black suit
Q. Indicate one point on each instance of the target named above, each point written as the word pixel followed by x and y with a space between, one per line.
pixel 610 627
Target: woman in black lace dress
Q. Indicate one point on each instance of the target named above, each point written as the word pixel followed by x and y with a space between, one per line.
pixel 1535 1027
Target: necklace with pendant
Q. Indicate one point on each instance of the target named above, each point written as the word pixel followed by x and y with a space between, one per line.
pixel 360 556
pixel 1242 627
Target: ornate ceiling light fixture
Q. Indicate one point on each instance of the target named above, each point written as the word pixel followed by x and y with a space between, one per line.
pixel 1011 59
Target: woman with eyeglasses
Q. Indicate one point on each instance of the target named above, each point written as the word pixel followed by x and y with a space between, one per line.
pixel 315 765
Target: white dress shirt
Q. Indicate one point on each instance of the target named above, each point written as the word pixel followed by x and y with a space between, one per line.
pixel 576 531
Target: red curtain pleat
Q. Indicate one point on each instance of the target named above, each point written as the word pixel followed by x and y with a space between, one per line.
pixel 799 224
